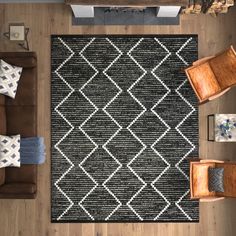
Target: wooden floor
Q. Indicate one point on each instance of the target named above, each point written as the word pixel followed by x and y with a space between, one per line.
pixel 32 218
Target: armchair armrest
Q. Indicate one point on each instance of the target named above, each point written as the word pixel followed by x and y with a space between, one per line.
pixel 2 176
pixel 211 199
pixel 211 161
pixel 219 94
pixel 202 60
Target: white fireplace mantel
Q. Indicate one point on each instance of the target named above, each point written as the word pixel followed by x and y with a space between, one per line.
pixel 87 11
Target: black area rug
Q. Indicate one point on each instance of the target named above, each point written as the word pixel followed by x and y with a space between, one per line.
pixel 102 16
pixel 124 126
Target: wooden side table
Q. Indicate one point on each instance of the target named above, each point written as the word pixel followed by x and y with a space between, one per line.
pixel 221 127
pixel 19 33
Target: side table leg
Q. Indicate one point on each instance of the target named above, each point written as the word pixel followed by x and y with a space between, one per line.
pixel 25 44
pixel 210 128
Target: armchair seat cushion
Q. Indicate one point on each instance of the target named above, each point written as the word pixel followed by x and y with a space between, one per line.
pixel 224 67
pixel 3 123
pixel 22 120
pixel 203 81
pixel 18 188
pixel 2 100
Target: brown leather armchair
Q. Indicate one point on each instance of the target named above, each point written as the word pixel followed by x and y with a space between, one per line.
pixel 19 116
pixel 199 180
pixel 211 77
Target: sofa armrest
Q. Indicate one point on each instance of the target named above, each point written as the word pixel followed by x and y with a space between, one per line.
pixel 22 59
pixel 2 176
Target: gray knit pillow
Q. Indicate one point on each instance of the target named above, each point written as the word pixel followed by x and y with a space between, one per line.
pixel 216 179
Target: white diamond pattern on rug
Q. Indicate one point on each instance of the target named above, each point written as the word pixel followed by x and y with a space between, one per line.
pixel 119 126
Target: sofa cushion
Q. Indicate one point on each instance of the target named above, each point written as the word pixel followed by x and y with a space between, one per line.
pixel 3 124
pixel 2 176
pixel 22 59
pixel 22 120
pixel 27 89
pixel 24 174
pixel 18 188
pixel 2 100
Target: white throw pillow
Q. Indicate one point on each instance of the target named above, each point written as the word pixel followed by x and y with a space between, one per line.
pixel 9 151
pixel 9 78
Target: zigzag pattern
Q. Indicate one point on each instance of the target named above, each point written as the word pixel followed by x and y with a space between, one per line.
pixel 69 131
pixel 113 136
pixel 144 110
pixel 81 128
pixel 167 130
pixel 179 131
pixel 130 130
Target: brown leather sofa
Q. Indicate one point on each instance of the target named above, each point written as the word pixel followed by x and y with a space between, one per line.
pixel 19 116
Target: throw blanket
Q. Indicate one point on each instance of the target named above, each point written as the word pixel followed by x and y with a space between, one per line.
pixel 32 150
